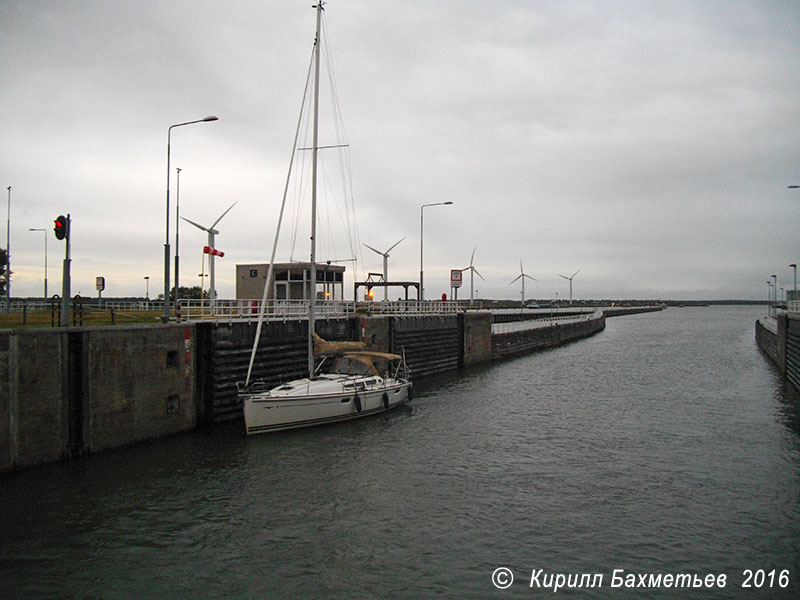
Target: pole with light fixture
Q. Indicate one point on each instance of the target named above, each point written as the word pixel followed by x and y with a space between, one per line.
pixel 165 316
pixel 177 234
pixel 421 285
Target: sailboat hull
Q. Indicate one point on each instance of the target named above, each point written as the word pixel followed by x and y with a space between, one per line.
pixel 270 411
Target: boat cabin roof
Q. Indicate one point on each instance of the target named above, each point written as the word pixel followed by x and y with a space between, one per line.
pixel 361 363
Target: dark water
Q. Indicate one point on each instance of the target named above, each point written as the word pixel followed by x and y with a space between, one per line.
pixel 665 444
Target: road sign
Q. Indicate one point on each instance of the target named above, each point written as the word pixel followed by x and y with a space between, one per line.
pixel 455 278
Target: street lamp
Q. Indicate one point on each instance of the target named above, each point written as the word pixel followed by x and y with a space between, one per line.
pixel 177 228
pixel 165 316
pixel 45 258
pixel 775 294
pixel 421 285
pixel 769 298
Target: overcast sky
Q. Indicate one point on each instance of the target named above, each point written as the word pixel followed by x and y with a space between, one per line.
pixel 648 144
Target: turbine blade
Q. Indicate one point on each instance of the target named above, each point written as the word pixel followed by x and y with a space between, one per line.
pixel 195 224
pixel 528 276
pixel 476 273
pixel 471 258
pixel 392 248
pixel 515 278
pixel 575 273
pixel 564 276
pixel 222 215
pixel 373 249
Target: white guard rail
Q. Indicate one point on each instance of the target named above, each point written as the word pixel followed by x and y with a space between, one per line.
pixel 284 310
pixel 248 310
pixel 498 328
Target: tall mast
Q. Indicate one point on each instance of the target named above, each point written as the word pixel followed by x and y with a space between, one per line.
pixel 313 275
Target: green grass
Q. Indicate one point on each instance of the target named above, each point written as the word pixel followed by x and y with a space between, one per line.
pixel 18 320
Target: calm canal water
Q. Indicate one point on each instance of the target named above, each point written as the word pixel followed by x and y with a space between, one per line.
pixel 665 444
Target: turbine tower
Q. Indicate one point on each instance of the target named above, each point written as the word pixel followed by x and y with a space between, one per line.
pixel 385 256
pixel 522 275
pixel 570 278
pixel 472 271
pixel 212 294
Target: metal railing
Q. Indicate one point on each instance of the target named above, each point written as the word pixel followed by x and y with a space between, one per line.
pixel 285 310
pixel 793 307
pixel 131 305
pixel 248 310
pixel 770 324
pixel 408 307
pixel 499 328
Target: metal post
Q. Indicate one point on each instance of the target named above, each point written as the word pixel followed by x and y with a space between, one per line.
pixel 8 254
pixel 177 238
pixel 65 279
pixel 45 257
pixel 314 152
pixel 165 316
pixel 775 295
pixel 421 284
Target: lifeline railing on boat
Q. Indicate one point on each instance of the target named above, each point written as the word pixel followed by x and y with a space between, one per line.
pixel 286 310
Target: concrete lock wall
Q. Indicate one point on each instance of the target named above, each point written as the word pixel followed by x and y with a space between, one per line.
pixel 67 391
pixel 768 342
pixel 792 350
pixel 519 342
pixel 779 339
pixel 64 392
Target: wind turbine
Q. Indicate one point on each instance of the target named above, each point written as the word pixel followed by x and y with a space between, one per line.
pixel 570 278
pixel 522 275
pixel 472 271
pixel 385 256
pixel 212 293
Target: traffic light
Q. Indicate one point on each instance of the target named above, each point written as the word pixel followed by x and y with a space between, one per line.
pixel 61 227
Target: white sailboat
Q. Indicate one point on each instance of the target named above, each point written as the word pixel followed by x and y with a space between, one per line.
pixel 358 384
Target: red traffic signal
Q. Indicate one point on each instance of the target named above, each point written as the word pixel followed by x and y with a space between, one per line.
pixel 61 227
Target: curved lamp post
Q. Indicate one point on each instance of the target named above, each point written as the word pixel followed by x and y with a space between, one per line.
pixel 165 316
pixel 421 286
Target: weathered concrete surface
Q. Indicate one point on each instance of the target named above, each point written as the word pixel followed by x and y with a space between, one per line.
pixel 67 391
pixel 32 415
pixel 476 338
pixel 140 384
pixel 779 339
pixel 767 339
pixel 520 342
